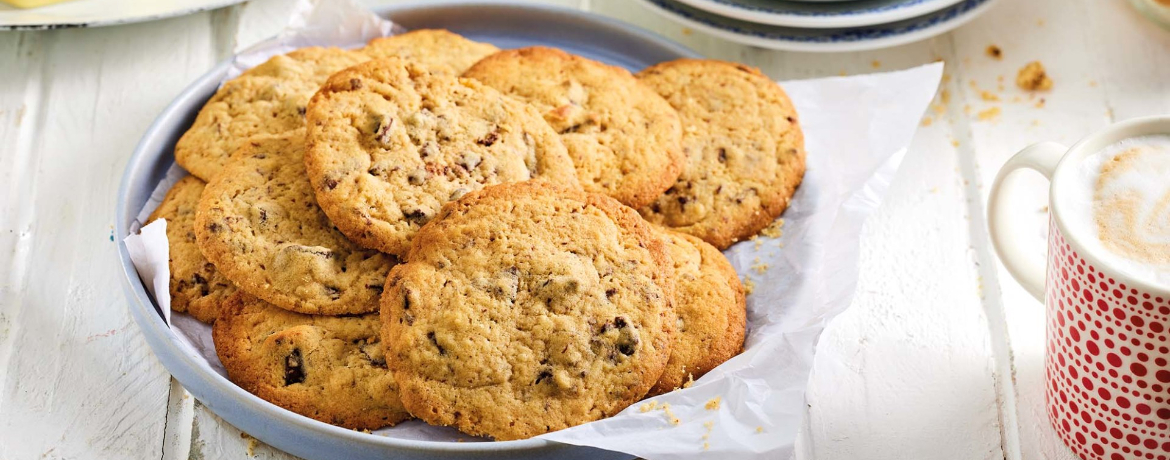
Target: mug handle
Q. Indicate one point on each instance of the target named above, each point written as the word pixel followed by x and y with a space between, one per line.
pixel 1004 229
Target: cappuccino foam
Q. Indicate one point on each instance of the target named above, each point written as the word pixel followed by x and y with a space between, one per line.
pixel 1125 201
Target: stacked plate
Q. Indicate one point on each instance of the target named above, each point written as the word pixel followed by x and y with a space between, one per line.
pixel 821 25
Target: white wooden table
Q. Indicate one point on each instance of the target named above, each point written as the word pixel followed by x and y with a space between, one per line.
pixel 940 356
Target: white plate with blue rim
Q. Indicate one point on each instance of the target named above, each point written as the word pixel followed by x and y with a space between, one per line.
pixel 821 15
pixel 822 40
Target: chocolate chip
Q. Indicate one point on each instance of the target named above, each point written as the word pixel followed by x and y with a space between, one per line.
pixel 620 322
pixel 293 370
pixel 406 300
pixel 627 348
pixel 723 155
pixel 301 111
pixel 416 215
pixel 470 161
pixel 355 83
pixel 375 287
pixel 330 184
pixel 489 139
pixel 572 129
pixel 542 376
pixel 382 133
pixel 791 119
pixel 610 292
pixel 263 216
pixel 333 292
pixel 431 336
pixel 214 227
pixel 682 200
pixel 428 149
pixel 718 189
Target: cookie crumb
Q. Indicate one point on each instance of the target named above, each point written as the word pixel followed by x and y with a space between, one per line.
pixel 670 415
pixel 954 142
pixel 1033 77
pixel 706 446
pixel 1040 103
pixel 748 285
pixel 926 121
pixel 648 406
pixel 995 52
pixel 989 114
pixel 713 404
pixel 759 429
pixel 687 31
pixel 774 230
pixel 988 96
pixel 251 443
pixel 690 380
pixel 876 64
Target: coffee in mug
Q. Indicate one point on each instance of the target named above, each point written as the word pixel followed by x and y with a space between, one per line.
pixel 1105 283
pixel 1124 197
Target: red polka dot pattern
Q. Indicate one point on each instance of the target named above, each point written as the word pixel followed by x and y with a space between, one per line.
pixel 1107 372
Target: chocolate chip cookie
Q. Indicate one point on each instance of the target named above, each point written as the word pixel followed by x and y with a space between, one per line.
pixel 711 307
pixel 527 308
pixel 437 50
pixel 196 287
pixel 328 368
pixel 259 223
pixel 267 99
pixel 389 143
pixel 743 144
pixel 623 137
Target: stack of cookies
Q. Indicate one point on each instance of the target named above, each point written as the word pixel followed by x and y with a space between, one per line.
pixel 506 242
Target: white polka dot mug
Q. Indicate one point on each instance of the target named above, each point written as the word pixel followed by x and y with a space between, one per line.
pixel 1107 360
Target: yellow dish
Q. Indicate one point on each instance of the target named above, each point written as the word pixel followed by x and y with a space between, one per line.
pixel 31 3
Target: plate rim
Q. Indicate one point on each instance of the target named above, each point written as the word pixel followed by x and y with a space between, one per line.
pixel 732 10
pixel 81 24
pixel 166 345
pixel 979 7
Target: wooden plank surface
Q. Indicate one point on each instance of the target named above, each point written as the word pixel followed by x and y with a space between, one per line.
pixel 78 380
pixel 940 356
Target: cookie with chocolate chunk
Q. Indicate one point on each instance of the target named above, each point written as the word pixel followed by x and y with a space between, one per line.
pixel 437 50
pixel 259 223
pixel 389 143
pixel 196 287
pixel 711 307
pixel 623 137
pixel 267 99
pixel 328 368
pixel 527 308
pixel 744 150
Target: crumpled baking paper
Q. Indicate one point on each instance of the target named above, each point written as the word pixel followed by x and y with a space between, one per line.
pixel 856 129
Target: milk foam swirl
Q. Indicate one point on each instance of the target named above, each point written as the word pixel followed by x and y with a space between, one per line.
pixel 1131 203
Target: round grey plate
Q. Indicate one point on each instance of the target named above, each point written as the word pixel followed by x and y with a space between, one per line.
pixel 506 26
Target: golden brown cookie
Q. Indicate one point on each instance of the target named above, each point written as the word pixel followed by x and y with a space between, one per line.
pixel 390 143
pixel 526 308
pixel 711 307
pixel 437 50
pixel 329 368
pixel 623 137
pixel 744 149
pixel 259 223
pixel 267 99
pixel 196 287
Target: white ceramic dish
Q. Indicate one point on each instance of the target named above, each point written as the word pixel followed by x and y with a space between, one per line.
pixel 97 13
pixel 506 26
pixel 821 14
pixel 821 40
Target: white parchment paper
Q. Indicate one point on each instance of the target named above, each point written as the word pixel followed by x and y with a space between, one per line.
pixel 856 131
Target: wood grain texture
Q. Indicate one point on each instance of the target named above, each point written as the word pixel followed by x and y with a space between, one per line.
pixel 79 380
pixel 941 355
